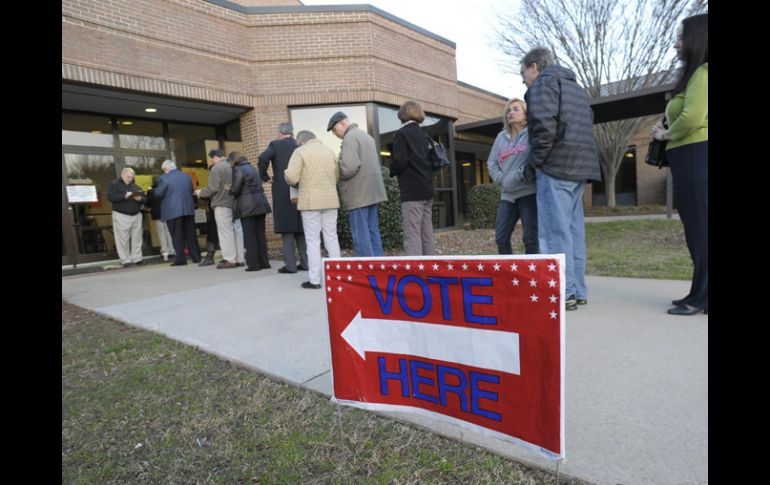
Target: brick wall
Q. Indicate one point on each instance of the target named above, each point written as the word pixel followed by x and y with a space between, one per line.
pixel 650 181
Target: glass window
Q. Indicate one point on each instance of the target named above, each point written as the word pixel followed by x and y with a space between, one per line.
pixel 141 134
pixel 187 142
pixel 316 120
pixel 86 130
pixel 146 168
pixel 232 131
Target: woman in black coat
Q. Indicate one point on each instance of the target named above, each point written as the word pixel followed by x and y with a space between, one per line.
pixel 250 206
pixel 415 179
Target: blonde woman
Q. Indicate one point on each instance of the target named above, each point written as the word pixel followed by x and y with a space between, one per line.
pixel 508 168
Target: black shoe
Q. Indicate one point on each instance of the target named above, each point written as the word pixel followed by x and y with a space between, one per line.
pixel 310 285
pixel 570 303
pixel 284 269
pixel 139 263
pixel 680 302
pixel 175 263
pixel 252 269
pixel 686 310
pixel 240 264
pixel 127 265
pixel 301 268
pixel 581 301
pixel 206 261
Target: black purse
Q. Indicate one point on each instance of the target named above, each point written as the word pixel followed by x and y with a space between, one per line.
pixel 656 152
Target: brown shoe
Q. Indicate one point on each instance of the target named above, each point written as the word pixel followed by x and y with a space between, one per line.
pixel 226 265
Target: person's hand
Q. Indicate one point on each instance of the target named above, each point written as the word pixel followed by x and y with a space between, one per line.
pixel 197 192
pixel 294 200
pixel 137 198
pixel 128 195
pixel 659 132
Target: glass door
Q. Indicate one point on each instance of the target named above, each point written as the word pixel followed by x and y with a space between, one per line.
pixel 90 222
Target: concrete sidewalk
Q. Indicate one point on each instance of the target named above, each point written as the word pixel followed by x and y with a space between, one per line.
pixel 636 384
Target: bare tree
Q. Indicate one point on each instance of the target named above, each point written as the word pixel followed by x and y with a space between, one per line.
pixel 614 47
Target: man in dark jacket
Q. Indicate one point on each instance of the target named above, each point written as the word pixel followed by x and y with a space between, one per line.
pixel 176 191
pixel 127 199
pixel 563 152
pixel 286 218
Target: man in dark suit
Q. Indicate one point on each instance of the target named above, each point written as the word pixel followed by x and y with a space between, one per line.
pixel 286 218
pixel 178 212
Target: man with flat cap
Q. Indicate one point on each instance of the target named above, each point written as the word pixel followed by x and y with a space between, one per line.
pixel 361 185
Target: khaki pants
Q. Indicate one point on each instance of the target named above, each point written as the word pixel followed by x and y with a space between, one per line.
pixel 128 236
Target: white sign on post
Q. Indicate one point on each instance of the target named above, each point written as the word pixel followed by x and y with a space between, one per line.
pixel 81 193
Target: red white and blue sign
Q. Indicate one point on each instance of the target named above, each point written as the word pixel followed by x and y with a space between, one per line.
pixel 474 340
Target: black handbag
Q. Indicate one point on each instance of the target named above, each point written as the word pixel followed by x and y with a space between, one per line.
pixel 437 155
pixel 656 152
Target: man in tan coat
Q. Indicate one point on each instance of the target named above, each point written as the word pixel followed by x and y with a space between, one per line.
pixel 314 171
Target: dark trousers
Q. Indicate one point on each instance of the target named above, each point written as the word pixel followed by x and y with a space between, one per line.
pixel 690 171
pixel 254 240
pixel 292 242
pixel 182 231
pixel 508 214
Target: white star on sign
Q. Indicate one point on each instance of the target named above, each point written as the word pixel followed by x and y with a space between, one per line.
pixel 360 266
pixel 371 266
pixel 450 266
pixel 435 266
pixel 339 288
pixel 532 283
pixel 330 299
pixel 533 298
pixel 421 266
pixel 408 266
pixel 532 267
pixel 480 267
pixel 552 283
pixel 382 266
pixel 327 266
pixel 553 315
pixel 497 267
pixel 551 267
pixel 395 266
pixel 328 277
pixel 350 278
pixel 514 267
pixel 348 266
pixel 465 266
pixel 338 266
pixel 515 282
pixel 553 298
pixel 339 277
pixel 328 288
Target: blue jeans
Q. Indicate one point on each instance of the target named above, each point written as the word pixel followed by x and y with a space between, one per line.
pixel 508 214
pixel 561 227
pixel 365 231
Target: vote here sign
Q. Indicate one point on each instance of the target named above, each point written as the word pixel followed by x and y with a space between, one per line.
pixel 477 341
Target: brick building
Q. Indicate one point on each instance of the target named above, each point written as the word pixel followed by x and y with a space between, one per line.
pixel 226 73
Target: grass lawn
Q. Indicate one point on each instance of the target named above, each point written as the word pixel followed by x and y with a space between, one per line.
pixel 140 408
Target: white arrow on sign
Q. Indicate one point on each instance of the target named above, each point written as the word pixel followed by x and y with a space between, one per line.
pixel 488 349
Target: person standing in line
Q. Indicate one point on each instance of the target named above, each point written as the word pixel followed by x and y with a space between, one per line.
pixel 564 154
pixel 166 244
pixel 313 169
pixel 218 190
pixel 286 218
pixel 415 180
pixel 361 185
pixel 212 236
pixel 687 149
pixel 175 189
pixel 127 199
pixel 508 167
pixel 251 207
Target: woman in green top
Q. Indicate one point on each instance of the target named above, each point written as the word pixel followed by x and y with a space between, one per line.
pixel 688 155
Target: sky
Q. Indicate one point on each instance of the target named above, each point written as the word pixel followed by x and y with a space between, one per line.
pixel 469 24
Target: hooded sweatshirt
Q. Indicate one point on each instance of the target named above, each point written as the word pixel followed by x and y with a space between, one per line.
pixel 507 162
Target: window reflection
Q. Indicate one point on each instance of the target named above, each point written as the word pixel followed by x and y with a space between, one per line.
pixel 187 142
pixel 93 221
pixel 141 134
pixel 317 119
pixel 86 130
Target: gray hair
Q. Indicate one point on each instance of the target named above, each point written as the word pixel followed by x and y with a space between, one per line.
pixel 168 164
pixel 540 56
pixel 285 128
pixel 129 170
pixel 304 136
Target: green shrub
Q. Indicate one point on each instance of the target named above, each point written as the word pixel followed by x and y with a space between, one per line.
pixel 391 229
pixel 483 201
